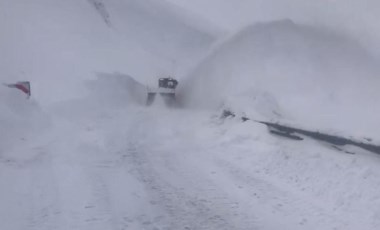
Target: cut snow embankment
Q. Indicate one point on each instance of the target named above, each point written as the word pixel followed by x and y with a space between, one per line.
pixel 302 74
pixel 106 94
pixel 20 119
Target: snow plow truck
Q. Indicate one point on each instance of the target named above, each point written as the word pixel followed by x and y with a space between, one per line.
pixel 166 90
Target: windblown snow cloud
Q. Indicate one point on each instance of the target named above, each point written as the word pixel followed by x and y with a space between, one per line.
pixel 307 70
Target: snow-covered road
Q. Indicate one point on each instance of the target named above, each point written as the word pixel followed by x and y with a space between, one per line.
pixel 142 168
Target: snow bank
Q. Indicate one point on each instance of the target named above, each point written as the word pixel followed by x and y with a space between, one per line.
pixel 255 103
pixel 104 94
pixel 116 89
pixel 316 76
pixel 20 118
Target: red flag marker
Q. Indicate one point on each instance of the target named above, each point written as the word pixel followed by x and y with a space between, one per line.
pixel 24 86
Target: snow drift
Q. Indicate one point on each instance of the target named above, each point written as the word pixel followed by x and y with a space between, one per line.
pixel 116 89
pixel 106 94
pixel 316 76
pixel 20 118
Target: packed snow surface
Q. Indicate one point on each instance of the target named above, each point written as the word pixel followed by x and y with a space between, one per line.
pixel 85 153
pixel 128 167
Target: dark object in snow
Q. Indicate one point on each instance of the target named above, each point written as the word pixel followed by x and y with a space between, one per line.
pixel 339 148
pixel 166 89
pixel 102 10
pixel 287 135
pixel 335 140
pixel 24 86
pixel 168 83
pixel 244 119
pixel 332 139
pixel 227 113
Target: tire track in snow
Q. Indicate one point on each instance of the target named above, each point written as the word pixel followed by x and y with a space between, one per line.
pixel 190 200
pixel 84 193
pixel 34 199
pixel 185 194
pixel 277 203
pixel 67 191
pixel 45 208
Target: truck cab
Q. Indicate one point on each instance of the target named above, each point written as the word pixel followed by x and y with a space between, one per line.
pixel 166 90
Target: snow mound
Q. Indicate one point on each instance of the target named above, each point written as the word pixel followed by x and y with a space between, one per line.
pixel 254 103
pixel 20 118
pixel 106 93
pixel 116 89
pixel 317 76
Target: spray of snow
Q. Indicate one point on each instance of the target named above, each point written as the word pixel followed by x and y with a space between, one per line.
pixel 316 76
pixel 107 93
